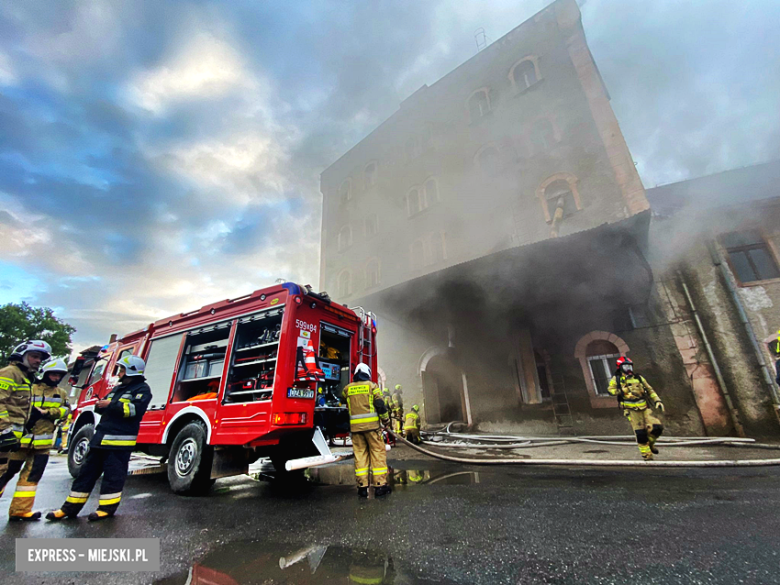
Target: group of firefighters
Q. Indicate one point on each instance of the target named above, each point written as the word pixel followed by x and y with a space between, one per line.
pixel 30 409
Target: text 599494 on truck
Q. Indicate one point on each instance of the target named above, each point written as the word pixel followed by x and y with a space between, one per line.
pixel 256 376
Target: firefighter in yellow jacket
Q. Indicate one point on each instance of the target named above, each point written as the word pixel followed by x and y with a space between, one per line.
pixel 398 407
pixel 633 394
pixel 366 409
pixel 412 426
pixel 16 381
pixel 49 404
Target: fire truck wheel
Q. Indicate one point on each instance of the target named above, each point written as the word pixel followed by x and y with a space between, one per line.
pixel 78 448
pixel 189 461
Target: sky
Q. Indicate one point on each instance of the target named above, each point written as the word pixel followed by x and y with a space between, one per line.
pixel 159 156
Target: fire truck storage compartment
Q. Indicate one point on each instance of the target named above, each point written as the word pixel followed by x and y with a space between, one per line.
pixel 253 364
pixel 202 362
pixel 334 362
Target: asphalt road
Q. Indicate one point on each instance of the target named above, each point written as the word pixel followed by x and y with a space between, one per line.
pixel 454 525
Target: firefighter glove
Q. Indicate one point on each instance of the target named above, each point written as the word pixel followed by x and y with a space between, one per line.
pixel 379 405
pixel 660 406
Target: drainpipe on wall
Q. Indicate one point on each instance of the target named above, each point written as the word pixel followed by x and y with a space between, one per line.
pixel 718 374
pixel 717 260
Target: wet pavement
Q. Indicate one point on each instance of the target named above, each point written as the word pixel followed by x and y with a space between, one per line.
pixel 444 523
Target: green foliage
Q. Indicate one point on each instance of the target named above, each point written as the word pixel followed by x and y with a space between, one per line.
pixel 22 322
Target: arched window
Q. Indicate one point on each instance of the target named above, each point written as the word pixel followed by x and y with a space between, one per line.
pixel 372 273
pixel 345 191
pixel 479 104
pixel 345 238
pixel 345 283
pixel 558 193
pixel 415 201
pixel 525 73
pixel 543 135
pixel 431 190
pixel 371 174
pixel 560 189
pixel 417 251
pixel 597 353
pixel 488 160
pixel 438 248
pixel 602 358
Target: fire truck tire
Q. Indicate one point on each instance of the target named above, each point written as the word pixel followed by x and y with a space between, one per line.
pixel 78 448
pixel 189 461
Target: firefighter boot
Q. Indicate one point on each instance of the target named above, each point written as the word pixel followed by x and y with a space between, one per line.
pixel 99 515
pixel 382 490
pixel 363 492
pixel 57 515
pixel 24 516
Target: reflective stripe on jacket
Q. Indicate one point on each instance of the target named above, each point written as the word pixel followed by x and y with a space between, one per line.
pixel 54 400
pixel 412 421
pixel 635 389
pixel 120 420
pixel 15 387
pixel 360 397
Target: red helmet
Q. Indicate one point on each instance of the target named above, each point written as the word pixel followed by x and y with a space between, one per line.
pixel 623 360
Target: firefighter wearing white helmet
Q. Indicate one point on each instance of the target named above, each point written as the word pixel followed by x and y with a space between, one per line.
pixel 49 404
pixel 366 409
pixel 16 381
pixel 111 445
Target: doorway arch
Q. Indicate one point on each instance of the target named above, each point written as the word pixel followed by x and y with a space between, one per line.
pixel 445 388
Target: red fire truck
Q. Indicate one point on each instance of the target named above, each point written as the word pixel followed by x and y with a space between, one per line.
pixel 256 376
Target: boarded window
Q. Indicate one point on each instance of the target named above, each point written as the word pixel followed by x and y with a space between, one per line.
pixel 750 257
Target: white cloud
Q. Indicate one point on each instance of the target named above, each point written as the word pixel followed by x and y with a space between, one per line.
pixel 7 73
pixel 206 67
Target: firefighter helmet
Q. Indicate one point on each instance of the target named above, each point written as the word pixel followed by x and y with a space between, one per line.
pixel 363 369
pixel 133 365
pixel 55 367
pixel 31 345
pixel 398 388
pixel 415 408
pixel 624 364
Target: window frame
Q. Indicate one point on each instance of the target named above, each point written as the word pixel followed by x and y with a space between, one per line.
pixel 346 272
pixel 349 196
pixel 374 174
pixel 442 238
pixel 765 244
pixel 534 60
pixel 341 245
pixel 490 173
pixel 541 192
pixel 422 256
pixel 604 361
pixel 421 199
pixel 369 284
pixel 482 114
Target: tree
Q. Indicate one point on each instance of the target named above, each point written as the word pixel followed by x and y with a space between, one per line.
pixel 22 322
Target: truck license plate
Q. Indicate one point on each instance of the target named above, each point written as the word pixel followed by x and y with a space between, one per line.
pixel 300 393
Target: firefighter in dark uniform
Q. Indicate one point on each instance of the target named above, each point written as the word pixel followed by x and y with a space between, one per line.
pixel 366 408
pixel 114 440
pixel 49 404
pixel 633 394
pixel 16 380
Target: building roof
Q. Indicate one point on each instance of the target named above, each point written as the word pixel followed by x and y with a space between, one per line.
pixel 731 187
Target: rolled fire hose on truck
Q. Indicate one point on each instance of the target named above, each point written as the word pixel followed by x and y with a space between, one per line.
pixel 527 442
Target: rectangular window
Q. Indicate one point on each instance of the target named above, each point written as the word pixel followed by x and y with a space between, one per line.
pixel 602 368
pixel 160 364
pixel 750 257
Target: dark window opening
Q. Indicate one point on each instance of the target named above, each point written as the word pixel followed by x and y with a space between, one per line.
pixel 750 257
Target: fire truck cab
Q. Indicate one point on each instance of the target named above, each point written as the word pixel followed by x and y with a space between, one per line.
pixel 256 376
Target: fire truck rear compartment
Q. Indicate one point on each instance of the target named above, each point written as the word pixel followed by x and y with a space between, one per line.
pixel 203 361
pixel 253 364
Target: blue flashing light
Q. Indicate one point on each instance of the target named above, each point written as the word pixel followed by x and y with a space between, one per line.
pixel 292 288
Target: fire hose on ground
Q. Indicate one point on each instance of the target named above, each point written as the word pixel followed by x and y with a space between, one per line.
pixel 525 441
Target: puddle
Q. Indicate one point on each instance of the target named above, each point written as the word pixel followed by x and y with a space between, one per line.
pixel 397 478
pixel 257 562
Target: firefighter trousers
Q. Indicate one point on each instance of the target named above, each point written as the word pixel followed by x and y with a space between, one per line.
pixel 413 436
pixel 370 457
pixel 112 464
pixel 647 428
pixel 5 455
pixel 32 463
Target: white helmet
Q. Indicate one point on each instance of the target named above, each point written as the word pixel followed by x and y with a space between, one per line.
pixel 363 369
pixel 32 345
pixel 133 365
pixel 55 366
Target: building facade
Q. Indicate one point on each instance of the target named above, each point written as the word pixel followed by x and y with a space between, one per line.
pixel 498 227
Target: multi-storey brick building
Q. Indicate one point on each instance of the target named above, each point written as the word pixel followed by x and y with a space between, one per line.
pixel 498 227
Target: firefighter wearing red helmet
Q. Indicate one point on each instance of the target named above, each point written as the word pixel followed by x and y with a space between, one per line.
pixel 633 393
